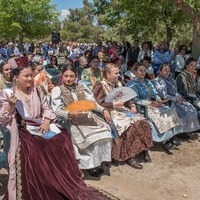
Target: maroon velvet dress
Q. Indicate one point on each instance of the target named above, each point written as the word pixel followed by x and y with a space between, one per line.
pixel 39 168
pixel 47 170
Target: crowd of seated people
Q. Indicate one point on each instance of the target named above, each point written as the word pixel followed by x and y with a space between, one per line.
pixel 33 101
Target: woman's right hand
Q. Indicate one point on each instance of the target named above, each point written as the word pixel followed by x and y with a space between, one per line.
pixel 118 104
pixel 12 99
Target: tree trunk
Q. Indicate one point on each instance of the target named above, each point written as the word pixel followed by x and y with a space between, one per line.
pixel 194 15
pixel 21 41
pixel 196 38
pixel 169 34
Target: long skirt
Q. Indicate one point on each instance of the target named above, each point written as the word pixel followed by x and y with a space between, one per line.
pixel 47 170
pixel 133 141
pixel 188 117
pixel 92 140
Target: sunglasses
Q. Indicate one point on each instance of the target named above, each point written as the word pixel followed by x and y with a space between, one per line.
pixel 183 49
pixel 53 60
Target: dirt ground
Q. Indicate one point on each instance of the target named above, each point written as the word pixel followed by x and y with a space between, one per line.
pixel 167 177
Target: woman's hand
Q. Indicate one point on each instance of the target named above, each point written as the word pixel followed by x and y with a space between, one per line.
pixel 133 109
pixel 44 127
pixel 155 104
pixel 107 115
pixel 12 99
pixel 74 114
pixel 180 100
pixel 118 104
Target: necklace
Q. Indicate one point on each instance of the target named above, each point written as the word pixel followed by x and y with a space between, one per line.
pixel 24 95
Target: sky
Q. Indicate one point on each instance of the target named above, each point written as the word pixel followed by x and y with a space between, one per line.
pixel 64 5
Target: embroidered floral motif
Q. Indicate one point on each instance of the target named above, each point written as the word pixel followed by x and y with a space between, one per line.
pixel 18 173
pixel 67 95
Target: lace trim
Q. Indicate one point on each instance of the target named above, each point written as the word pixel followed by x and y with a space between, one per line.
pixel 18 173
pixel 107 194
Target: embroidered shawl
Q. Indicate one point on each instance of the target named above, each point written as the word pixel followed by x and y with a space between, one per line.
pixel 66 91
pixel 188 81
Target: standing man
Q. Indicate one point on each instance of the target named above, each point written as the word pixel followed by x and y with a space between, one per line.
pixel 132 53
pixel 98 48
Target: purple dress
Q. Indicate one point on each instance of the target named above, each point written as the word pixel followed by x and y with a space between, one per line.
pixel 42 169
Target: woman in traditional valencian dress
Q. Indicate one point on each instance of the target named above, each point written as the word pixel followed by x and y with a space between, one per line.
pixel 92 74
pixel 40 167
pixel 163 119
pixel 41 78
pixel 90 134
pixel 5 75
pixel 187 85
pixel 133 132
pixel 5 82
pixel 167 89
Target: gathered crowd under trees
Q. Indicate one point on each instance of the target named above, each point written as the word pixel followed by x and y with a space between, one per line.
pixel 162 104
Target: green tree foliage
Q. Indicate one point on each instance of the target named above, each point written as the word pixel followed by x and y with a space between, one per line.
pixel 82 25
pixel 150 18
pixel 169 20
pixel 29 18
pixel 191 9
pixel 56 24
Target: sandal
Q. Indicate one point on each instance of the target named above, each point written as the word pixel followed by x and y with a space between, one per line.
pixel 134 163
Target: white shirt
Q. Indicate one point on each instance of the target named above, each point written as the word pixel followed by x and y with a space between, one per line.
pixel 180 61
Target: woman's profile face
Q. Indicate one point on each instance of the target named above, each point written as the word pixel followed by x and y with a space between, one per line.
pixel 84 63
pixel 94 63
pixel 140 72
pixel 25 78
pixel 38 69
pixel 112 75
pixel 165 72
pixel 191 66
pixel 6 72
pixel 69 77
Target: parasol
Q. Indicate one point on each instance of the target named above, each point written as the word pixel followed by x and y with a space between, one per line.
pixel 120 94
pixel 81 105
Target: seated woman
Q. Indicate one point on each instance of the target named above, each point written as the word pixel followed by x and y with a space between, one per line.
pixel 41 78
pixel 129 74
pixel 5 82
pixel 93 73
pixel 5 77
pixel 52 69
pixel 82 65
pixel 167 89
pixel 39 168
pixel 133 132
pixel 90 134
pixel 180 59
pixel 163 119
pixel 186 83
pixel 150 74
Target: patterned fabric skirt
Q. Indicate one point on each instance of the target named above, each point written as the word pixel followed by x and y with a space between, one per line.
pixel 133 141
pixel 164 118
pixel 188 117
pixel 47 170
